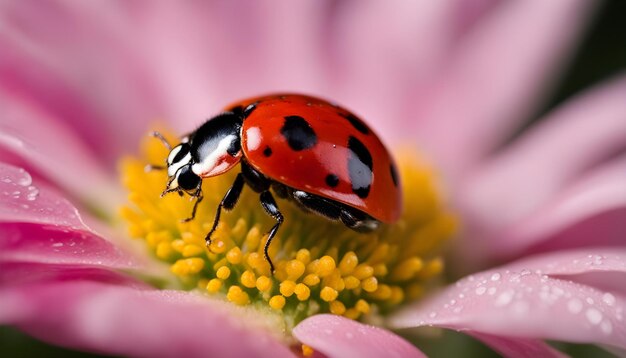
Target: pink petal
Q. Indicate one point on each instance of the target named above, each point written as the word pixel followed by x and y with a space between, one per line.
pixel 523 304
pixel 29 243
pixel 591 212
pixel 603 268
pixel 38 225
pixel 76 61
pixel 24 202
pixel 497 78
pixel 529 178
pixel 336 336
pixel 14 274
pixel 53 151
pixel 517 347
pixel 541 162
pixel 120 320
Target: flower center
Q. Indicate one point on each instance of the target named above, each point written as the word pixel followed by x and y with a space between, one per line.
pixel 321 266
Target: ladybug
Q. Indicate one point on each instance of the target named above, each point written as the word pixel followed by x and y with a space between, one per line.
pixel 297 147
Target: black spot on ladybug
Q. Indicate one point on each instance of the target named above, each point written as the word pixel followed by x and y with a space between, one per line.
pixel 359 167
pixel 298 133
pixel 356 123
pixel 249 109
pixel 332 180
pixel 394 174
pixel 267 151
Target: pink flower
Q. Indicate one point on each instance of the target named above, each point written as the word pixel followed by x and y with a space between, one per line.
pixel 79 83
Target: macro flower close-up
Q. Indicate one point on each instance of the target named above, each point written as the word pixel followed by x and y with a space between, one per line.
pixel 424 194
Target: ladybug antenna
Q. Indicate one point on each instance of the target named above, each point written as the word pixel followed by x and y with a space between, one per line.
pixel 151 167
pixel 162 139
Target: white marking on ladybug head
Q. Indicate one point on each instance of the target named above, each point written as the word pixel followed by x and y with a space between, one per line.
pixel 178 157
pixel 216 161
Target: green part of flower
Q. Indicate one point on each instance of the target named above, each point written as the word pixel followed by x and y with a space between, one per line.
pixel 321 266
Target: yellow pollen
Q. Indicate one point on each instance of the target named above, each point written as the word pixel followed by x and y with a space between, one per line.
pixel 325 266
pixel 187 267
pixel 234 256
pixel 321 266
pixel 338 308
pixel 328 294
pixel 370 284
pixel 287 288
pixel 263 283
pixel 214 285
pixel 302 291
pixel 362 306
pixel 295 269
pixel 237 296
pixel 277 302
pixel 223 273
pixel 311 280
pixel 348 263
pixel 248 279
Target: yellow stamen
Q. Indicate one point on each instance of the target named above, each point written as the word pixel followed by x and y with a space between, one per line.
pixel 263 283
pixel 277 302
pixel 321 266
pixel 328 294
pixel 237 295
pixel 223 273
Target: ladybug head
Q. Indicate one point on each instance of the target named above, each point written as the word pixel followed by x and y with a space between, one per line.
pixel 179 163
pixel 211 150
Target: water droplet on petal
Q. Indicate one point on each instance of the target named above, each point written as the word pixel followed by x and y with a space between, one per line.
pixel 593 316
pixel 504 298
pixel 606 327
pixel 480 290
pixel 574 305
pixel 495 277
pixel 609 299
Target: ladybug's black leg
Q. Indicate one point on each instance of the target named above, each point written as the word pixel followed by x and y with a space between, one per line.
pixel 198 195
pixel 269 205
pixel 350 217
pixel 228 202
pixel 316 204
pixel 358 221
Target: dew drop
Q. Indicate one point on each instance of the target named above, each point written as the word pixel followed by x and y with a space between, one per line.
pixel 609 299
pixel 590 300
pixel 492 291
pixel 504 298
pixel 574 305
pixel 432 314
pixel 25 180
pixel 57 244
pixel 593 316
pixel 480 290
pixel 606 327
pixel 33 193
pixel 495 277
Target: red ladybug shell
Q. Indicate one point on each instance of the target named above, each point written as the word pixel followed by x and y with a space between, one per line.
pixel 309 144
